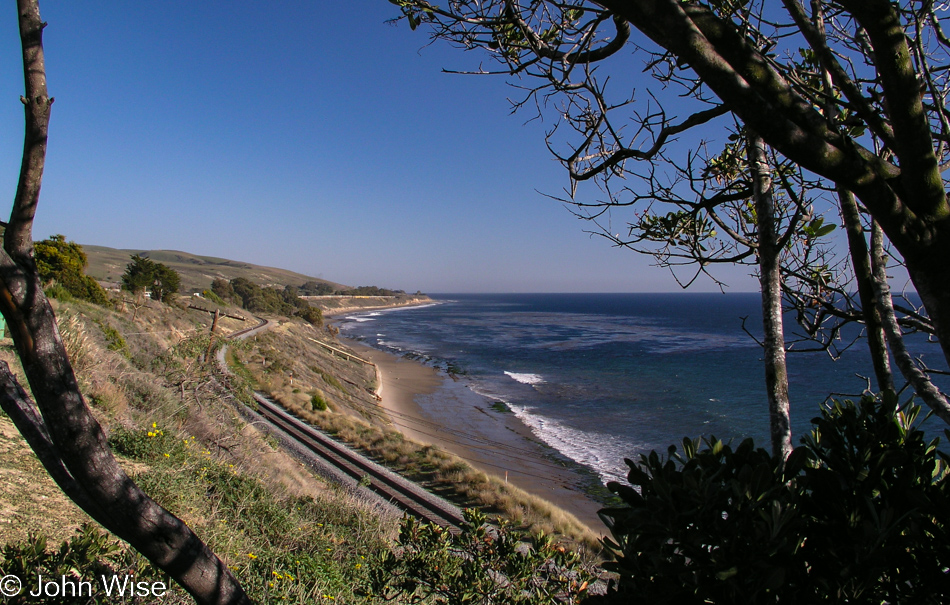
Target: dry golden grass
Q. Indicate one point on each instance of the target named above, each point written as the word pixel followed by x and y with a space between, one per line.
pixel 156 377
pixel 440 470
pixel 30 502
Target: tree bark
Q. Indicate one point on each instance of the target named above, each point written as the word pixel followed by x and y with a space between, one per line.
pixel 770 281
pixel 861 264
pixel 816 34
pixel 921 384
pixel 72 445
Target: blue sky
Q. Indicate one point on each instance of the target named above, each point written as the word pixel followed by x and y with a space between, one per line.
pixel 288 134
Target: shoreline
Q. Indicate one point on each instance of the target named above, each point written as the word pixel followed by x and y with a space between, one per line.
pixel 429 406
pixel 335 312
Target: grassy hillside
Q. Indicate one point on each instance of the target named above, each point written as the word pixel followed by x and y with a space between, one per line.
pixel 197 272
pixel 174 422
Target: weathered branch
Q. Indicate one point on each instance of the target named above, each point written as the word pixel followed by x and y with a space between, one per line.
pixel 905 362
pixel 816 39
pixel 17 405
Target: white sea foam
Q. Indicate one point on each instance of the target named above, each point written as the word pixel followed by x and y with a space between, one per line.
pixel 526 378
pixel 389 345
pixel 601 452
pixel 360 318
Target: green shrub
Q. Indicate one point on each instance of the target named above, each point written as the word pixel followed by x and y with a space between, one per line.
pixel 209 295
pixel 312 315
pixel 857 514
pixel 114 338
pixel 87 556
pixel 318 402
pixel 65 263
pixel 481 565
pixel 59 292
pixel 146 444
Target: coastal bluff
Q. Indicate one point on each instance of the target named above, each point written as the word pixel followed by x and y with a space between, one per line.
pixel 337 305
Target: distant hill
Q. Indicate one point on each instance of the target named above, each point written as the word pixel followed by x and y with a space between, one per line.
pixel 197 272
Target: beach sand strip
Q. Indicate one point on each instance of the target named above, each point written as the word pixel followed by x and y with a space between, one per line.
pixel 428 406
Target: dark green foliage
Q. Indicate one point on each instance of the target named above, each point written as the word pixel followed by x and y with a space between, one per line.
pixel 314 288
pixel 64 264
pixel 223 290
pixel 57 291
pixel 114 339
pixel 370 291
pixel 858 514
pixel 312 315
pixel 138 274
pixel 270 300
pixel 481 565
pixel 87 556
pixel 209 295
pixel 262 300
pixel 167 283
pixel 145 274
pixel 318 402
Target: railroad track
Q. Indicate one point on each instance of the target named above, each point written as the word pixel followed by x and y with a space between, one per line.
pixel 398 491
pixel 237 335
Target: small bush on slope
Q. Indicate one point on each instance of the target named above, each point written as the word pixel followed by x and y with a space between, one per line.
pixel 481 565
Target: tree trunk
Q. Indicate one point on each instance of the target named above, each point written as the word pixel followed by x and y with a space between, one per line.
pixel 921 384
pixel 770 280
pixel 857 246
pixel 72 445
pixel 860 262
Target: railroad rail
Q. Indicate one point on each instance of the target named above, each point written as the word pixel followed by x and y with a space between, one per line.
pixel 240 333
pixel 398 491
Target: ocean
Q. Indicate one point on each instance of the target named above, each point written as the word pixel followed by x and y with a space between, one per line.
pixel 601 377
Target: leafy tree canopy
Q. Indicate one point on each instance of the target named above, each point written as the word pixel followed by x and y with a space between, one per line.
pixel 315 288
pixel 65 263
pixel 143 273
pixel 370 291
pixel 256 299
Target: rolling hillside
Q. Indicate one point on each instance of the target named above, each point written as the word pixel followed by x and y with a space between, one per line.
pixel 197 272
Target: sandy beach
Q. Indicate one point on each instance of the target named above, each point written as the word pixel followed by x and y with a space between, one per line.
pixel 430 407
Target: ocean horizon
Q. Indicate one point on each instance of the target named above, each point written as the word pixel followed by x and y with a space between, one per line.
pixel 603 377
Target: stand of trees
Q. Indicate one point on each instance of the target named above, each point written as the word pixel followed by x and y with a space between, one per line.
pixel 254 298
pixel 143 274
pixel 369 291
pixel 313 288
